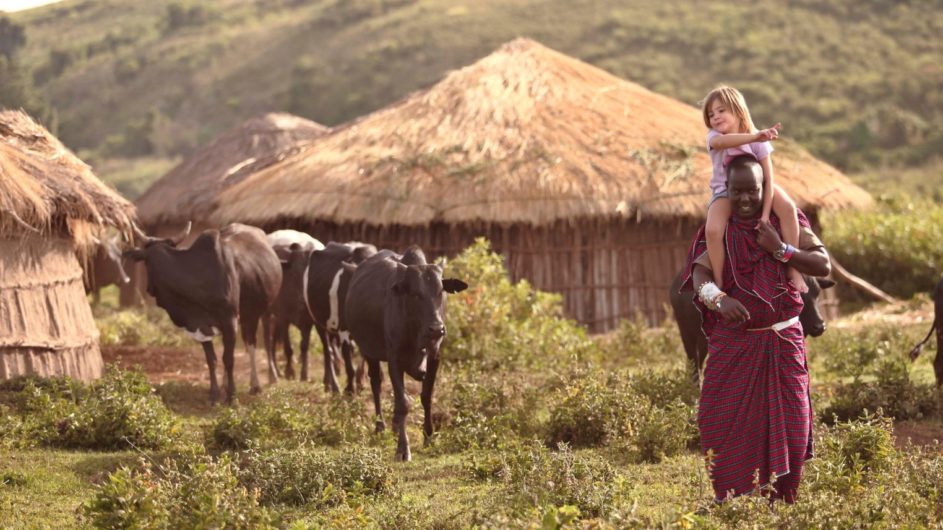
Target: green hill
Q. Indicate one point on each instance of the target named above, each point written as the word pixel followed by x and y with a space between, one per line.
pixel 856 81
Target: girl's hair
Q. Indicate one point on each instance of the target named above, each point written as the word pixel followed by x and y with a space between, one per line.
pixel 735 103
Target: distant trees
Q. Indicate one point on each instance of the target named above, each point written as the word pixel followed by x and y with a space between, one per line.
pixel 12 37
pixel 16 83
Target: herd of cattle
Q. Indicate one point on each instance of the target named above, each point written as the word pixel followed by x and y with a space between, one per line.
pixel 390 305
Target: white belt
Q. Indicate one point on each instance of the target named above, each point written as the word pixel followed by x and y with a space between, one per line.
pixel 779 326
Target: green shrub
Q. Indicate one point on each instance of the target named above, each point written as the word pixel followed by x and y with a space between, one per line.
pixel 119 411
pixel 305 477
pixel 893 392
pixel 537 476
pixel 665 387
pixel 895 246
pixel 664 432
pixel 504 325
pixel 594 410
pixel 139 327
pixel 194 492
pixel 851 453
pixel 283 419
pixel 642 345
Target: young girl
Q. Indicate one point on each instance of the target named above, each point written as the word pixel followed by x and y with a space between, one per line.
pixel 731 133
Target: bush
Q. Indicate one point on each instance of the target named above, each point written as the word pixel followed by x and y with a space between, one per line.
pixel 594 411
pixel 537 476
pixel 504 325
pixel 303 477
pixel 119 411
pixel 287 420
pixel 893 392
pixel 634 340
pixel 194 492
pixel 664 432
pixel 895 246
pixel 850 453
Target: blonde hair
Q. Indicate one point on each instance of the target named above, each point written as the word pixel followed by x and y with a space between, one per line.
pixel 735 103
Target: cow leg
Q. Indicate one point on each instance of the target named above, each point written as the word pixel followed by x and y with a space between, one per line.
pixel 347 352
pixel 938 360
pixel 282 331
pixel 249 326
pixel 326 350
pixel 428 382
pixel 330 377
pixel 211 364
pixel 400 409
pixel 305 344
pixel 267 340
pixel 229 355
pixel 376 379
pixel 361 370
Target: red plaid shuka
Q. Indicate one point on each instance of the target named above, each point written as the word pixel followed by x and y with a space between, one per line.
pixel 754 413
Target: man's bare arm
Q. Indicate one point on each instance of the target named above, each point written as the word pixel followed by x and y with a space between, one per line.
pixel 813 262
pixel 730 308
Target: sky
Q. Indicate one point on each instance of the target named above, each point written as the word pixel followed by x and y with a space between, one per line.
pixel 18 5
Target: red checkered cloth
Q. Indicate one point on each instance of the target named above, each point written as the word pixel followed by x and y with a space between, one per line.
pixel 754 413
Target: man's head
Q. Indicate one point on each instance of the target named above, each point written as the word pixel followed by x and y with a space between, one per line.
pixel 745 186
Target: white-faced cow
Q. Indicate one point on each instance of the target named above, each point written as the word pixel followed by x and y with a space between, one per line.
pixel 688 318
pixel 293 249
pixel 327 281
pixel 224 276
pixel 104 268
pixel 938 326
pixel 395 310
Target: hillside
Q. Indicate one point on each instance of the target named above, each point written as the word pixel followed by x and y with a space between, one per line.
pixel 857 82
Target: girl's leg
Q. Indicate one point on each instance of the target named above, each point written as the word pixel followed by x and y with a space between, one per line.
pixel 785 209
pixel 717 215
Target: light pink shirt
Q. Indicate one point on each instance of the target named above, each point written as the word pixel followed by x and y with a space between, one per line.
pixel 720 158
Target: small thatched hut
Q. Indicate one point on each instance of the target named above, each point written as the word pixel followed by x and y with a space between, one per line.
pixel 51 208
pixel 189 190
pixel 590 185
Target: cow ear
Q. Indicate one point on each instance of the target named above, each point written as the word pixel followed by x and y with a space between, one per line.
pixel 451 285
pixel 825 283
pixel 134 254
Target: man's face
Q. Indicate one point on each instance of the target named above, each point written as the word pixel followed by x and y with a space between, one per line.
pixel 745 185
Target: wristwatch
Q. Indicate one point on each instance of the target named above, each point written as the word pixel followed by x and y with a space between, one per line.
pixel 780 253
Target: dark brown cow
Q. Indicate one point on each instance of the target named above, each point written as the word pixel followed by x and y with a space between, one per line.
pixel 104 268
pixel 226 275
pixel 688 318
pixel 395 309
pixel 328 278
pixel 937 325
pixel 293 249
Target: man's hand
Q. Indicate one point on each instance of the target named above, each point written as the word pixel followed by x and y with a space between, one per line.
pixel 767 237
pixel 768 135
pixel 733 311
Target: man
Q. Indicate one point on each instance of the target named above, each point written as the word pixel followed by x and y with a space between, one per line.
pixel 754 414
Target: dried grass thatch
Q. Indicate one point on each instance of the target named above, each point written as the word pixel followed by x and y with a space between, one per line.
pixel 526 135
pixel 188 191
pixel 45 188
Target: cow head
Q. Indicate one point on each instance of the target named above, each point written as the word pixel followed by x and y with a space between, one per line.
pixel 811 319
pixel 421 291
pixel 145 241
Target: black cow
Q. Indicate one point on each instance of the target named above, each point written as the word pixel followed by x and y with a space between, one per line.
pixel 395 314
pixel 104 268
pixel 937 325
pixel 293 249
pixel 225 275
pixel 689 319
pixel 327 281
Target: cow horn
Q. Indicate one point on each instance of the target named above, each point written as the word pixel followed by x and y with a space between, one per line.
pixel 183 234
pixel 139 233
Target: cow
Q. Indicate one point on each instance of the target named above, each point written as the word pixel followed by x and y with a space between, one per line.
pixel 688 319
pixel 225 275
pixel 326 283
pixel 293 249
pixel 104 268
pixel 937 325
pixel 395 310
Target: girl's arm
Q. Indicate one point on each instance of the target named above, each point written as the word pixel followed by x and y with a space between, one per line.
pixel 724 141
pixel 767 165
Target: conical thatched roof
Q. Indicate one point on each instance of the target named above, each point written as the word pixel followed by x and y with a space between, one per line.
pixel 188 191
pixel 46 188
pixel 525 135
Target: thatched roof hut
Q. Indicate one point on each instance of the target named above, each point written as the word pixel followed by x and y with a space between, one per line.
pixel 51 208
pixel 589 184
pixel 187 192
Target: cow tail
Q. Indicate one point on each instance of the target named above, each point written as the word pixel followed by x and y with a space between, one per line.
pixel 914 353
